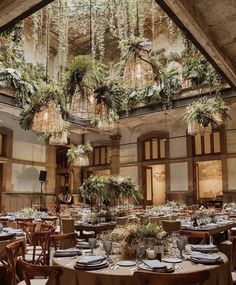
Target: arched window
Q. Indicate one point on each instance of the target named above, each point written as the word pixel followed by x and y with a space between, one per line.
pixel 153 146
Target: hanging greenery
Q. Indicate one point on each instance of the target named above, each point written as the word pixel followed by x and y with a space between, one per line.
pixel 84 74
pixel 78 155
pixel 206 112
pixel 47 93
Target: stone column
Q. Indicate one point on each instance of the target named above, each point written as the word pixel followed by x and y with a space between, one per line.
pixel 50 167
pixel 115 154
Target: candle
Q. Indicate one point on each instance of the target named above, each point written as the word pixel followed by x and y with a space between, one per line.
pixel 150 253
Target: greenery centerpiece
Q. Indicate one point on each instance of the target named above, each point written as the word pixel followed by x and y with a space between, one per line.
pixel 205 113
pixel 110 188
pixel 82 77
pixel 130 235
pixel 78 155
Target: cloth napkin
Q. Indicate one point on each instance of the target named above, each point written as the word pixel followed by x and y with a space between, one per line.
pixel 91 260
pixel 204 248
pixel 203 257
pixel 83 245
pixel 154 264
pixel 67 252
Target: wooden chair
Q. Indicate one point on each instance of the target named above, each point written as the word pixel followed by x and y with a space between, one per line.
pixel 30 270
pixel 195 236
pixel 193 278
pixel 4 221
pixel 24 220
pixel 13 251
pixel 29 229
pixel 50 221
pixel 67 226
pixel 63 241
pixel 40 253
pixel 170 226
pixel 47 228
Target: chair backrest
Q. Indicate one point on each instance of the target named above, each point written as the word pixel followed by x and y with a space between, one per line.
pixel 29 229
pixel 41 245
pixel 63 241
pixel 170 226
pixel 13 251
pixel 233 253
pixel 30 270
pixel 47 228
pixel 4 221
pixel 49 220
pixel 198 236
pixel 24 220
pixel 67 226
pixel 192 278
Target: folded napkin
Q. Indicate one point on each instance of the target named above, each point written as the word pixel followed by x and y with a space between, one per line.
pixel 83 245
pixel 154 264
pixel 91 260
pixel 198 256
pixel 67 252
pixel 204 247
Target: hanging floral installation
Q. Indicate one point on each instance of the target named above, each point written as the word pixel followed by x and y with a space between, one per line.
pixel 205 114
pixel 84 86
pixel 45 111
pixel 79 155
pixel 83 76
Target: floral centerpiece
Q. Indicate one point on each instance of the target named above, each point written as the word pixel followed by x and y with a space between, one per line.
pixel 130 236
pixel 27 212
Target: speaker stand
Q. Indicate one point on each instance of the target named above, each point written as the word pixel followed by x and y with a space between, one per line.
pixel 41 195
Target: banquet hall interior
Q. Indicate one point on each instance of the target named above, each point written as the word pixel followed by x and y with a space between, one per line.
pixel 117 142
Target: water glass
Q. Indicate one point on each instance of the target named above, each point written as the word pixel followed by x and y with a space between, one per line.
pixel 1 227
pixel 181 242
pixel 92 243
pixel 107 245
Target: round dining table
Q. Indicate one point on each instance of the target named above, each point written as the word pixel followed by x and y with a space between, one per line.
pixel 118 275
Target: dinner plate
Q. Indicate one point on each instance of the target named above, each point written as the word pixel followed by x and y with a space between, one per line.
pixel 126 263
pixel 92 266
pixel 206 262
pixel 171 260
pixel 169 268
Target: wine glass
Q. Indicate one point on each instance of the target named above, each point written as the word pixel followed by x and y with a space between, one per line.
pixel 1 227
pixel 140 251
pixel 181 243
pixel 92 244
pixel 107 245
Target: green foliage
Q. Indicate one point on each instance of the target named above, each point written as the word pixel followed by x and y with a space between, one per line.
pixel 84 73
pixel 79 151
pixel 110 187
pixel 46 93
pixel 204 110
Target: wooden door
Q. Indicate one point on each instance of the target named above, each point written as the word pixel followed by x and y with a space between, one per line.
pixel 148 185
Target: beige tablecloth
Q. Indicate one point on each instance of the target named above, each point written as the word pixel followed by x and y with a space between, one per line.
pixel 219 274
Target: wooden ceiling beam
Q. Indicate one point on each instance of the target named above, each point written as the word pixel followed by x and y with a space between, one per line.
pixel 13 11
pixel 188 18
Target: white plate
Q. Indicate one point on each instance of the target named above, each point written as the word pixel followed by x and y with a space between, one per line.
pixel 171 260
pixel 169 268
pixel 126 263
